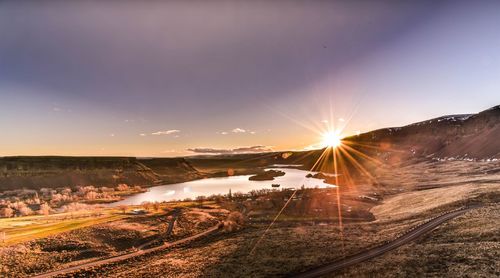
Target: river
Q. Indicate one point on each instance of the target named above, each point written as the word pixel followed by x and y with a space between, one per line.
pixel 293 178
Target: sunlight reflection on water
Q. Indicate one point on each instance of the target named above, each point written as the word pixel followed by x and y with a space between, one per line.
pixel 293 178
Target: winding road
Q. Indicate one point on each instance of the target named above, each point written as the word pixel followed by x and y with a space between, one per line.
pixel 128 255
pixel 377 251
pixel 316 272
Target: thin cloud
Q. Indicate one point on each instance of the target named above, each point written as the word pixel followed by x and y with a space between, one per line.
pixel 238 130
pixel 166 132
pixel 142 134
pixel 252 149
pixel 60 109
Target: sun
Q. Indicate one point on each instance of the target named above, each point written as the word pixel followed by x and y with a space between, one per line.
pixel 331 139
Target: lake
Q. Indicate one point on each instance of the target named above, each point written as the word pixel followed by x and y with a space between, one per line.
pixel 293 178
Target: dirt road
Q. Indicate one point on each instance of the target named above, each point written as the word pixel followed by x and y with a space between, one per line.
pixel 127 256
pixel 377 251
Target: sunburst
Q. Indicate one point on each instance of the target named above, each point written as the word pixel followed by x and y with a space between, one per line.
pixel 339 155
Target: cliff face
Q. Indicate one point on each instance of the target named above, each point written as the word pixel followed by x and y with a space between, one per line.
pixel 37 172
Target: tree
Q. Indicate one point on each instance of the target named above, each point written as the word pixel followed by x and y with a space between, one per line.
pixel 25 211
pixel 123 208
pixel 7 212
pixel 44 209
pixel 146 205
pixel 122 187
pixel 235 221
pixel 218 199
pixel 236 217
pixel 91 195
pixel 200 199
pixel 156 206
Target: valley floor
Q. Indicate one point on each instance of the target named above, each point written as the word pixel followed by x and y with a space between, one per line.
pixel 468 245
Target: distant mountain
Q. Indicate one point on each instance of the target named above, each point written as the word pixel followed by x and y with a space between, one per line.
pixel 469 136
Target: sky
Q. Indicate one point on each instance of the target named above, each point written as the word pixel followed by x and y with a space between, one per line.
pixel 175 78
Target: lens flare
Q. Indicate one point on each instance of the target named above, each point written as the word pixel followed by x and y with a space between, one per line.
pixel 331 139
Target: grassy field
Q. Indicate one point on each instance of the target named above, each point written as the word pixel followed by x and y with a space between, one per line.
pixel 467 246
pixel 21 229
pixel 38 244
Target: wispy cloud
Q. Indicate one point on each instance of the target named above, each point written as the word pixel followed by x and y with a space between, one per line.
pixel 142 134
pixel 169 151
pixel 166 132
pixel 238 130
pixel 251 149
pixel 60 109
pixel 312 147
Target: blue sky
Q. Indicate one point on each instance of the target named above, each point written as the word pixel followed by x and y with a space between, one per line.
pixel 157 79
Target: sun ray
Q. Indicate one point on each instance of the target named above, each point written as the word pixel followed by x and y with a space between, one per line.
pixel 363 155
pixel 357 165
pixel 339 207
pixel 371 146
pixel 283 208
pixel 344 156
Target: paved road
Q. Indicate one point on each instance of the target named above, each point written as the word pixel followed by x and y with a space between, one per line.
pixel 127 256
pixel 377 251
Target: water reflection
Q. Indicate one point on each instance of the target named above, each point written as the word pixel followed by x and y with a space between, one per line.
pixel 293 178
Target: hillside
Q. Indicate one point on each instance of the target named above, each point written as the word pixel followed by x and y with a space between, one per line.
pixel 171 170
pixel 473 136
pixel 470 136
pixel 55 171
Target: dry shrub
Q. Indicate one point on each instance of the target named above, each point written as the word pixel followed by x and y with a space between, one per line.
pixel 235 220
